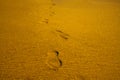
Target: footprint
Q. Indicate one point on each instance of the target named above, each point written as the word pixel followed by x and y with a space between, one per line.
pixel 62 34
pixel 46 21
pixel 53 3
pixel 52 13
pixel 53 61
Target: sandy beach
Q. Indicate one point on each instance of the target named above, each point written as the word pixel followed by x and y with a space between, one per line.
pixel 59 40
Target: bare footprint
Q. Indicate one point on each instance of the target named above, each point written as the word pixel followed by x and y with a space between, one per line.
pixel 46 21
pixel 62 34
pixel 52 13
pixel 53 61
pixel 53 3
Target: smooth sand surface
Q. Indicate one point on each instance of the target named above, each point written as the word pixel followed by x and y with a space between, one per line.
pixel 59 40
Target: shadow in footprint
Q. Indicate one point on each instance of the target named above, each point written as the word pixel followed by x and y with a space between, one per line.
pixel 62 34
pixel 53 61
pixel 53 3
pixel 46 21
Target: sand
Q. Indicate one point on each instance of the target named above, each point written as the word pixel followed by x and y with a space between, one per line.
pixel 59 40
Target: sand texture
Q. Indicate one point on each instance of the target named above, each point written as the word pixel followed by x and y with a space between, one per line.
pixel 59 40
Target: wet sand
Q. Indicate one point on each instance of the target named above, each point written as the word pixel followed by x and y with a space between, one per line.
pixel 59 40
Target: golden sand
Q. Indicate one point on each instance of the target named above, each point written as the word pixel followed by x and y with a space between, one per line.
pixel 59 40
